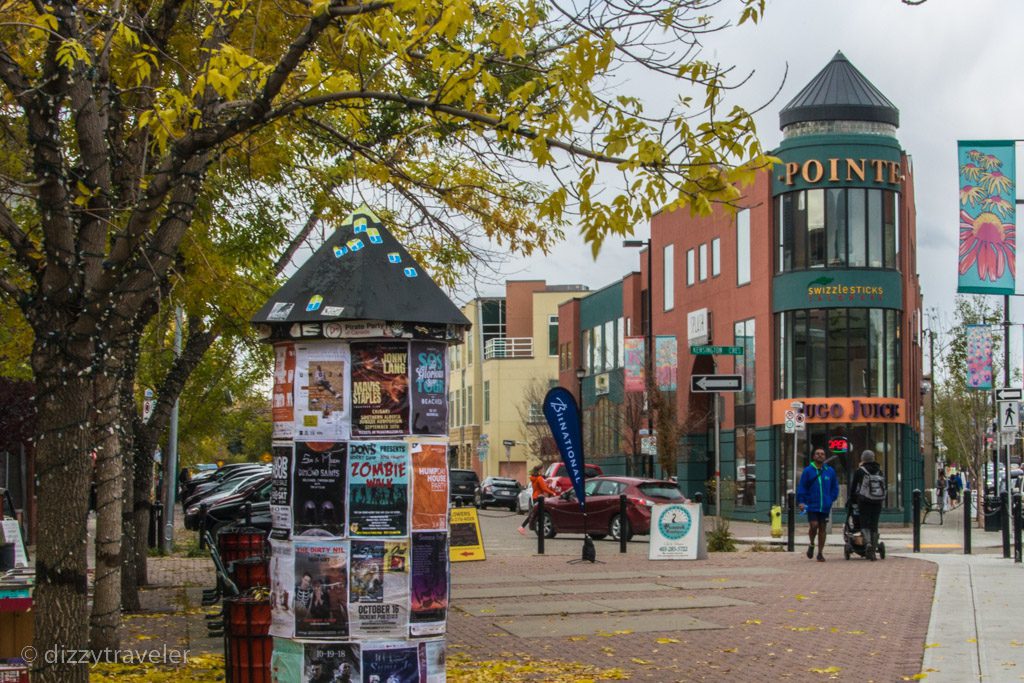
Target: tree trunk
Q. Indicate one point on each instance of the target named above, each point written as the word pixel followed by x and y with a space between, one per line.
pixel 130 532
pixel 105 620
pixel 142 464
pixel 63 464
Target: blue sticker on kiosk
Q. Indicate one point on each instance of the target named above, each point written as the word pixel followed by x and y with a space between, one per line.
pixel 375 237
pixel 340 251
pixel 355 245
pixel 314 302
pixel 410 272
pixel 394 257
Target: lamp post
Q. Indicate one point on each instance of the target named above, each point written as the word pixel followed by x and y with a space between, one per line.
pixel 648 344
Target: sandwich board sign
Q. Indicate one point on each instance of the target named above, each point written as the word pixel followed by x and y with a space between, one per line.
pixel 677 533
pixel 467 543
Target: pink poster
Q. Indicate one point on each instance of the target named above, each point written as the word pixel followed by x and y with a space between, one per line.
pixel 634 370
pixel 665 362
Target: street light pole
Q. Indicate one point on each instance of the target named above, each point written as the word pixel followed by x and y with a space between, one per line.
pixel 648 344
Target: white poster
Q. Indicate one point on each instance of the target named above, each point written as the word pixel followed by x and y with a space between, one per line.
pixel 323 406
pixel 379 589
pixel 11 533
pixel 282 582
pixel 677 533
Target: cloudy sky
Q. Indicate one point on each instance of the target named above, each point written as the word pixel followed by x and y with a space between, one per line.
pixel 952 68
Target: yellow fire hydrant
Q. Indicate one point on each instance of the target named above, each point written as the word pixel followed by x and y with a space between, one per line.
pixel 776 515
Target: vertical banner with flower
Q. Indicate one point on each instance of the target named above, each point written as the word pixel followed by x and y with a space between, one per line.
pixel 979 357
pixel 665 362
pixel 634 370
pixel 988 232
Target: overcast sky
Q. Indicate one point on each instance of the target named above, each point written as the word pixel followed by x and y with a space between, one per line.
pixel 952 68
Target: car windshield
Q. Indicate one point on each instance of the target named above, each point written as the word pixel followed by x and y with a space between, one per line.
pixel 505 483
pixel 661 489
pixel 462 476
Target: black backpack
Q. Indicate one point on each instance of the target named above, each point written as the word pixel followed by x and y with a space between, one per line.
pixel 872 487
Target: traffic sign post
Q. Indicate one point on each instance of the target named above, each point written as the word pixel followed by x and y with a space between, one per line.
pixel 706 350
pixel 703 384
pixel 1009 416
pixel 1009 394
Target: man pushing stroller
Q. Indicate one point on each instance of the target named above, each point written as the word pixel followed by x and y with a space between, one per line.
pixel 865 498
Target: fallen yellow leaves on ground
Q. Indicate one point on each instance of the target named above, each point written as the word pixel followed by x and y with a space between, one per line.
pixel 463 670
pixel 197 669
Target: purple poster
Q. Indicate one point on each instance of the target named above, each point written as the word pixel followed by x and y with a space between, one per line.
pixel 429 606
pixel 428 395
pixel 665 362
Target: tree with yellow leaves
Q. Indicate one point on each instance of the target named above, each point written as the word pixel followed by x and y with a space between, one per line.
pixel 124 122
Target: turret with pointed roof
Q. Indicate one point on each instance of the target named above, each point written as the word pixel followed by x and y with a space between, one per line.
pixel 839 93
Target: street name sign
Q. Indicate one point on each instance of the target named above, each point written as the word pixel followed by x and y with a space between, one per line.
pixel 1009 393
pixel 714 383
pixel 705 350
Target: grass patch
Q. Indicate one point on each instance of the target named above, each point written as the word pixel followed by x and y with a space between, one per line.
pixel 759 547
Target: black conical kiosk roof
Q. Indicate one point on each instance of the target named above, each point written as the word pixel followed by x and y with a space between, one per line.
pixel 360 273
pixel 839 93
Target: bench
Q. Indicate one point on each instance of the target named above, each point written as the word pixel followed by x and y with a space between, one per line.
pixel 927 506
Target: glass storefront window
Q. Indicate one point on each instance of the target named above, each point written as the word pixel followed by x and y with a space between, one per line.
pixel 874 228
pixel 839 352
pixel 835 217
pixel 815 228
pixel 857 228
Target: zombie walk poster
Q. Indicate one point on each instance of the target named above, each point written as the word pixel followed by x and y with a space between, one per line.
pixel 429 485
pixel 321 589
pixel 391 663
pixel 282 582
pixel 430 571
pixel 428 393
pixel 378 498
pixel 319 489
pixel 380 388
pixel 283 396
pixel 379 589
pixel 322 403
pixel 331 663
pixel 280 487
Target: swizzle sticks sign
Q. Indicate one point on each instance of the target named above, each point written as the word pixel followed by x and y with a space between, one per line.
pixel 563 417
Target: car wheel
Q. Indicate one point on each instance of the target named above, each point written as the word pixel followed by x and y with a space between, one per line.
pixel 549 526
pixel 476 504
pixel 513 507
pixel 881 551
pixel 615 528
pixel 519 507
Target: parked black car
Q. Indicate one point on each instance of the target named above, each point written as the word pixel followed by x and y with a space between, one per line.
pixel 498 491
pixel 205 481
pixel 234 509
pixel 463 486
pixel 228 482
pixel 228 504
pixel 229 488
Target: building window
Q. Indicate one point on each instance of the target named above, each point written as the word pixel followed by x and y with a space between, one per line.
pixel 746 465
pixel 840 352
pixel 587 359
pixel 552 335
pixel 469 405
pixel 469 349
pixel 702 258
pixel 609 345
pixel 743 335
pixel 691 275
pixel 620 343
pixel 668 258
pixel 743 247
pixel 492 320
pixel 838 228
pixel 487 401
pixel 716 257
pixel 536 415
pixel 452 403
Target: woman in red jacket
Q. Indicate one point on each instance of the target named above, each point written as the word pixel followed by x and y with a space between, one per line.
pixel 540 488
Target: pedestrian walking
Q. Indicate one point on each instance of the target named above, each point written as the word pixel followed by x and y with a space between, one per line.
pixel 940 489
pixel 540 488
pixel 867 492
pixel 953 487
pixel 818 489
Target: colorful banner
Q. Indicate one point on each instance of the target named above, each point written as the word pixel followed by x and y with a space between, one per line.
pixel 283 396
pixel 665 362
pixel 392 663
pixel 380 388
pixel 378 603
pixel 321 398
pixel 318 489
pixel 563 417
pixel 979 357
pixel 634 367
pixel 429 486
pixel 988 207
pixel 321 589
pixel 428 393
pixel 280 487
pixel 378 495
pixel 430 571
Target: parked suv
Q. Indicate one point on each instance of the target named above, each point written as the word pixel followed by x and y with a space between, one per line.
pixel 558 477
pixel 463 486
pixel 500 491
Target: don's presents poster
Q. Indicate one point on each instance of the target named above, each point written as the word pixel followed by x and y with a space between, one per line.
pixel 378 495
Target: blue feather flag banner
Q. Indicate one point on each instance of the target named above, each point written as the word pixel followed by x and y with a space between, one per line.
pixel 563 416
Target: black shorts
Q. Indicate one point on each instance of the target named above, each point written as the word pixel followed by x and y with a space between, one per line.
pixel 817 516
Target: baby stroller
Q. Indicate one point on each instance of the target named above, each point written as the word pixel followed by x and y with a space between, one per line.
pixel 853 537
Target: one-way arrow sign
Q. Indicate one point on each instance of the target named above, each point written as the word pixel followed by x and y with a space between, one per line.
pixel 713 383
pixel 1009 394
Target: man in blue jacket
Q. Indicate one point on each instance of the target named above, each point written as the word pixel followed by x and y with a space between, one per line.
pixel 818 489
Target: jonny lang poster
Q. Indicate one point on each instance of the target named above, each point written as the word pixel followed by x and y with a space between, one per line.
pixel 319 489
pixel 378 496
pixel 380 388
pixel 379 589
pixel 430 485
pixel 429 396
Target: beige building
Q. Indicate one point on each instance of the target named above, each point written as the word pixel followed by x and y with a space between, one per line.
pixel 499 378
